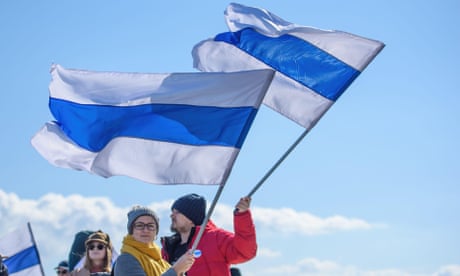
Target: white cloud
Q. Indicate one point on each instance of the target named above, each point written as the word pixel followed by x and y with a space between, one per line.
pixel 290 221
pixel 316 267
pixel 55 219
pixel 448 270
pixel 267 253
pixel 308 266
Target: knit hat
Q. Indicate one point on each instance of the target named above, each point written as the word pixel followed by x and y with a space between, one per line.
pixel 138 211
pixel 192 206
pixel 99 236
pixel 63 265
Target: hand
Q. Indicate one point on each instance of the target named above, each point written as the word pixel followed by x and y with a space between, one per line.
pixel 184 263
pixel 243 205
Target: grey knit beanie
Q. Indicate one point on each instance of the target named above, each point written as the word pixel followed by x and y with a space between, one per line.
pixel 192 206
pixel 137 211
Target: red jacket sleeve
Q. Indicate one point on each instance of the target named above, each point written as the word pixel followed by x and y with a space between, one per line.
pixel 242 246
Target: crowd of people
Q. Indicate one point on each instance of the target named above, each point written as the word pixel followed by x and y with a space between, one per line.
pixel 140 256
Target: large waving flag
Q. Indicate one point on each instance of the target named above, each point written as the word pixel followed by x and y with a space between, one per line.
pixel 20 248
pixel 313 67
pixel 182 128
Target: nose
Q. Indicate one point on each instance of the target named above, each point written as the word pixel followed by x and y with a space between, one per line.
pixel 173 213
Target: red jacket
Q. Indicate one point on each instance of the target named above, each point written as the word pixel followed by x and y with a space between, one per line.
pixel 220 248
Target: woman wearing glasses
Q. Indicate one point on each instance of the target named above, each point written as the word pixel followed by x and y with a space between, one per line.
pixel 140 256
pixel 98 256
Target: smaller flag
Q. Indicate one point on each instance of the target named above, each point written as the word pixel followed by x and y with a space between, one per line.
pixel 22 252
pixel 313 67
pixel 180 128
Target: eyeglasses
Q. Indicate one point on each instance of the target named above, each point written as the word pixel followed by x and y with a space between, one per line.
pixel 141 226
pixel 59 272
pixel 98 246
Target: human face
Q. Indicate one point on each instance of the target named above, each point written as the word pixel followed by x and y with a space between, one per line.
pixel 96 251
pixel 62 271
pixel 147 234
pixel 180 223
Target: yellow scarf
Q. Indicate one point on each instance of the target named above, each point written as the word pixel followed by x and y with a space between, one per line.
pixel 148 255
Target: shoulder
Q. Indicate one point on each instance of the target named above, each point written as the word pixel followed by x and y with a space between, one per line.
pixel 210 226
pixel 127 264
pixel 167 241
pixel 126 259
pixel 212 233
pixel 80 272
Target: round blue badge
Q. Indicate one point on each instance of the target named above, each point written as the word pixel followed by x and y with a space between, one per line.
pixel 197 253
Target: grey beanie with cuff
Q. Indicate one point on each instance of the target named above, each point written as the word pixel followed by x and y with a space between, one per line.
pixel 137 211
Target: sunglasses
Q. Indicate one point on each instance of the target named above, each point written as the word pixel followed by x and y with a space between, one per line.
pixel 93 246
pixel 59 272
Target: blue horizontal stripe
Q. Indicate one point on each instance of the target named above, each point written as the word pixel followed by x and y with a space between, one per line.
pixel 93 126
pixel 22 260
pixel 297 59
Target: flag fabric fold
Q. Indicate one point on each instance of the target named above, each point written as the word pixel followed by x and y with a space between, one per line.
pixel 20 248
pixel 313 67
pixel 179 128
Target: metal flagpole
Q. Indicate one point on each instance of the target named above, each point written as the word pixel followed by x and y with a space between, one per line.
pixel 35 245
pixel 273 168
pixel 291 148
pixel 197 253
pixel 208 215
pixel 257 186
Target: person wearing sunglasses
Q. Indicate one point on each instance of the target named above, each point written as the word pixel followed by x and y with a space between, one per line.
pixel 62 268
pixel 98 256
pixel 140 256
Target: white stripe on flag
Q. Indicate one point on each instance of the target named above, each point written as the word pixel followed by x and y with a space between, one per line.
pixel 183 128
pixel 313 67
pixel 22 252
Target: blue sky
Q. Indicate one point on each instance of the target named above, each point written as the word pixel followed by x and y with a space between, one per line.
pixel 372 190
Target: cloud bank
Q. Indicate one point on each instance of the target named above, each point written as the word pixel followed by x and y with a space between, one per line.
pixel 55 219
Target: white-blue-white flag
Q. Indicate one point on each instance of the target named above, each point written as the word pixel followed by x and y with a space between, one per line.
pixel 313 67
pixel 20 248
pixel 180 128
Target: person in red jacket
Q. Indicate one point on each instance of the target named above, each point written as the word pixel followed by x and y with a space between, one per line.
pixel 219 248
